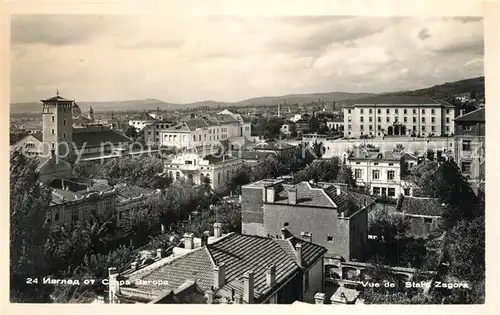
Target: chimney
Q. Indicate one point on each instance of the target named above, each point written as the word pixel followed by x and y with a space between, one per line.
pixel 271 194
pixel 204 238
pixel 283 233
pixel 292 196
pixel 319 298
pixel 114 285
pixel 298 254
pixel 237 299
pixel 248 289
pixel 306 236
pixel 217 230
pixel 159 253
pixel 134 265
pixel 210 296
pixel 271 276
pixel 219 276
pixel 188 241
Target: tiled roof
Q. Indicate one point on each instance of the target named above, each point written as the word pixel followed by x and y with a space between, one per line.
pixel 38 136
pixel 57 99
pixel 253 155
pixel 273 146
pixel 95 138
pixel 240 253
pixel 130 191
pixel 193 124
pixel 395 100
pixel 309 196
pixel 420 206
pixel 477 115
pixel 363 154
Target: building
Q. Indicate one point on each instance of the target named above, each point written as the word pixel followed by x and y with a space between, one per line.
pixel 336 125
pixel 425 214
pixel 470 144
pixel 71 136
pixel 286 129
pixel 194 167
pixel 145 119
pixel 322 212
pixel 381 173
pixel 399 116
pixel 51 167
pixel 152 131
pixel 224 269
pixel 208 131
pixel 130 198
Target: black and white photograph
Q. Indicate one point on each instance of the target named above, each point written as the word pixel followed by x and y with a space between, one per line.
pixel 239 159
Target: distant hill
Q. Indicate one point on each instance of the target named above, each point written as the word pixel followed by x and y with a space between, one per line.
pixel 437 91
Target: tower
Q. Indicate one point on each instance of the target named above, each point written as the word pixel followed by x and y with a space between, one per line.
pixel 279 110
pixel 57 123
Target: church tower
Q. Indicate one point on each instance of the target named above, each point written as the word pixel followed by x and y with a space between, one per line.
pixel 91 115
pixel 57 126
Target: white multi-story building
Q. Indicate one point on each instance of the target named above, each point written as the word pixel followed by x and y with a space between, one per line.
pixel 399 116
pixel 382 172
pixel 207 131
pixel 194 167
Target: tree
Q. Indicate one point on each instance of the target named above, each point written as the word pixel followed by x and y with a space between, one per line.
pixel 131 132
pixel 430 155
pixel 29 204
pixel 345 176
pixel 389 225
pixel 141 171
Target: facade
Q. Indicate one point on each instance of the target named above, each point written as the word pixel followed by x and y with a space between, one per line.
pixel 31 145
pixel 139 123
pixel 152 131
pixel 206 131
pixel 194 167
pixel 57 118
pixel 382 172
pixel 321 212
pixel 227 269
pixel 399 116
pixel 335 125
pixel 470 144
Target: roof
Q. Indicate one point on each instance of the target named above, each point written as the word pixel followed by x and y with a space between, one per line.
pixel 363 154
pixel 240 253
pixel 253 155
pixel 477 115
pixel 38 135
pixel 97 137
pixel 56 99
pixel 399 100
pixel 131 191
pixel 193 124
pixel 49 164
pixel 315 196
pixel 420 206
pixel 273 146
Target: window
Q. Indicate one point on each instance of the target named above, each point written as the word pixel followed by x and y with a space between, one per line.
pixel 447 120
pixel 387 119
pixel 447 128
pixel 199 137
pixel 362 127
pixel 379 119
pixel 188 162
pixel 391 164
pixel 396 111
pixel 414 127
pixel 466 128
pixel 74 216
pixel 433 128
pixel 53 145
pixel 370 111
pixel 427 220
pixel 194 137
pixel 376 190
pixel 285 224
pixel 348 111
pixel 349 127
pixel 414 111
pixel 53 119
pixel 306 280
pixel 414 119
pixel 387 111
pixel 406 191
pixel 64 122
pixel 466 166
pixel 376 174
pixel 378 127
pixel 53 132
pixel 376 163
pixel 466 145
pixel 361 111
pixel 358 173
pixel 329 238
pixel 423 120
pixel 391 192
pixel 177 175
pixel 361 119
pixel 405 111
pixel 396 119
pixel 64 135
pixel 447 112
pixel 405 119
pixel 157 133
pixel 370 127
pixel 379 111
pixel 433 120
pixel 390 175
pixel 433 112
pixel 370 119
pixel 423 111
pixel 56 217
pixel 423 128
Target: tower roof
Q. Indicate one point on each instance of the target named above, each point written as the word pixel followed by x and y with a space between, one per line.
pixel 56 98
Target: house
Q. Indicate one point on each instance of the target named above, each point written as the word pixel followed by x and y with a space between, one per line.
pixel 336 125
pixel 52 167
pixel 425 214
pixel 389 115
pixel 145 119
pixel 194 167
pixel 381 172
pixel 228 269
pixel 326 213
pixel 470 144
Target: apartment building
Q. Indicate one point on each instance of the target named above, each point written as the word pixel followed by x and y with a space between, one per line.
pixel 470 144
pixel 399 116
pixel 152 131
pixel 382 172
pixel 194 167
pixel 223 269
pixel 321 212
pixel 205 131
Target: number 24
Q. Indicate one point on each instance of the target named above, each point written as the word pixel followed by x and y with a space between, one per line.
pixel 30 280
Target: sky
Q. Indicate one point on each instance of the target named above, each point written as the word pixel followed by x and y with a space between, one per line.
pixel 231 58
